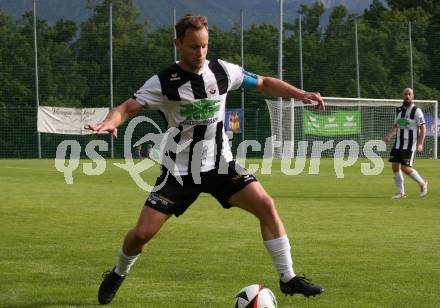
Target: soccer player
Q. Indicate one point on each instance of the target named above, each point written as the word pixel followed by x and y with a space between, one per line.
pixel 191 94
pixel 409 128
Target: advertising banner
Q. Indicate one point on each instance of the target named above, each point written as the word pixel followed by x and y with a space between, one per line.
pixel 234 120
pixel 334 124
pixel 71 121
pixel 430 125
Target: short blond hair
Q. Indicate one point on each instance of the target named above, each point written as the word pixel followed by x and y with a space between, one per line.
pixel 196 22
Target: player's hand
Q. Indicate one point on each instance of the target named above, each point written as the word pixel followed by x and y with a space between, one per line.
pixel 386 139
pixel 102 128
pixel 310 97
pixel 420 148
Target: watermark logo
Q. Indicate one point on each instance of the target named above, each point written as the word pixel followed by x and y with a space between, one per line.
pixel 345 154
pixel 162 142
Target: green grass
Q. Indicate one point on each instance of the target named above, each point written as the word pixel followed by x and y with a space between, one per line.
pixel 366 249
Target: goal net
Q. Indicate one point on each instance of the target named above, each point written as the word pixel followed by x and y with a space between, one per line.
pixel 299 130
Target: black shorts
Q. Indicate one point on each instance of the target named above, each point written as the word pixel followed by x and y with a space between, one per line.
pixel 174 198
pixel 404 157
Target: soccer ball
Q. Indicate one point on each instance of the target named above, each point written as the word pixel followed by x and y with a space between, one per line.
pixel 255 296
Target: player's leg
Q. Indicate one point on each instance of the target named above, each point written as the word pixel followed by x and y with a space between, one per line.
pixel 239 188
pixel 413 174
pixel 149 223
pixel 171 199
pixel 398 180
pixel 254 199
pixel 396 159
pixel 406 160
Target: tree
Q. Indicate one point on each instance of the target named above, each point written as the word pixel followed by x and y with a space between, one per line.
pixel 311 18
pixel 261 41
pixel 337 60
pixel 16 63
pixel 16 87
pixel 401 5
pixel 260 54
pixel 60 82
pixel 312 45
pixel 93 50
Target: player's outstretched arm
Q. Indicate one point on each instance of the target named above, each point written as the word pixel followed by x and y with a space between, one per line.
pixel 421 138
pixel 277 87
pixel 116 117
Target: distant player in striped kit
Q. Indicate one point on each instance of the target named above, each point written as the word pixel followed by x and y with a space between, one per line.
pixel 191 95
pixel 410 129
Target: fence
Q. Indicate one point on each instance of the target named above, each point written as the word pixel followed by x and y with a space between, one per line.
pixel 19 138
pixel 113 52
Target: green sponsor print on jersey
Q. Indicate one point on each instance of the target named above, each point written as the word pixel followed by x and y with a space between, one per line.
pixel 334 124
pixel 402 122
pixel 201 109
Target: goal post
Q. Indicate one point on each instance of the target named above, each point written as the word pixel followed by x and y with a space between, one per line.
pixel 295 124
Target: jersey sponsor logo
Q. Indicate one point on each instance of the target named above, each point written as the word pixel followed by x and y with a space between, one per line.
pixel 402 122
pixel 201 109
pixel 200 122
pixel 212 91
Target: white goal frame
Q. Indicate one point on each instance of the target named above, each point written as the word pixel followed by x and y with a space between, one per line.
pixel 284 110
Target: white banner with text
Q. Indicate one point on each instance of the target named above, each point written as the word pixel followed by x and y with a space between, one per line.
pixel 71 121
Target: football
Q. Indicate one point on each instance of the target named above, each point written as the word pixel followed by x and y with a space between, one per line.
pixel 255 296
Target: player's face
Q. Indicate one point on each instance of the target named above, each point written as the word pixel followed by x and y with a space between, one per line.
pixel 193 48
pixel 408 96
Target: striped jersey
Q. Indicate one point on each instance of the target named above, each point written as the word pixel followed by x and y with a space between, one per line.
pixel 408 120
pixel 195 104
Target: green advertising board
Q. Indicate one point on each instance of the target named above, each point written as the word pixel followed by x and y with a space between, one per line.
pixel 333 124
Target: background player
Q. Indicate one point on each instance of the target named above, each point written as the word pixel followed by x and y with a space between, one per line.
pixel 410 130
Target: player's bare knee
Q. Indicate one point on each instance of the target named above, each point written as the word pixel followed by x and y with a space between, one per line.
pixel 267 203
pixel 407 169
pixel 268 210
pixel 142 236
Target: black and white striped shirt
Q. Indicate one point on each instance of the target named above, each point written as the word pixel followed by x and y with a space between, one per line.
pixel 195 104
pixel 408 120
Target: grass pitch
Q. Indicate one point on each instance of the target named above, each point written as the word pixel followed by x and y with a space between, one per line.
pixel 366 249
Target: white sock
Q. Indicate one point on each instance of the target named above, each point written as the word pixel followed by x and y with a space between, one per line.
pixel 279 249
pixel 416 177
pixel 124 263
pixel 398 180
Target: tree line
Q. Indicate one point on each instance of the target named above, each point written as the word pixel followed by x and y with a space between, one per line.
pixel 73 61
